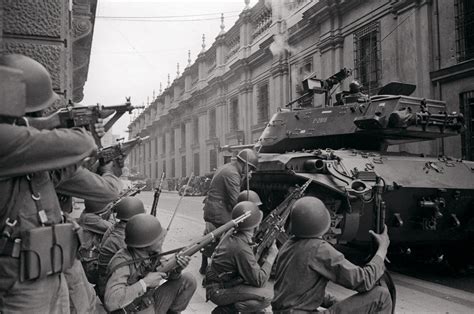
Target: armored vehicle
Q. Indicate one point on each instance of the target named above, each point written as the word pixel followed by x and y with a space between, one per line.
pixel 427 202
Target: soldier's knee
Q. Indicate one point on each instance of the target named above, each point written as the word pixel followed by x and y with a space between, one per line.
pixel 189 281
pixel 382 295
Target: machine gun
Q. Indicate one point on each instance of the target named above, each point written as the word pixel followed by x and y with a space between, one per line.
pixel 272 227
pixel 157 194
pixel 155 263
pixel 313 85
pixel 81 116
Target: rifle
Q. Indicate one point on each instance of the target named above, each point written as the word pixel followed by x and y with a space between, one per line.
pixel 157 194
pixel 81 116
pixel 145 300
pixel 179 201
pixel 120 150
pixel 132 191
pixel 273 225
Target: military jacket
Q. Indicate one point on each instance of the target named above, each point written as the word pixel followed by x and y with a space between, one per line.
pixel 113 241
pixel 305 266
pixel 223 194
pixel 94 228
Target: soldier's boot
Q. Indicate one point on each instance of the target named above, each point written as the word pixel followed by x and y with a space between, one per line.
pixel 202 269
pixel 225 309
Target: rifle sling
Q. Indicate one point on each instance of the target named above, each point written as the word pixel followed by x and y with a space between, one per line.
pixel 141 259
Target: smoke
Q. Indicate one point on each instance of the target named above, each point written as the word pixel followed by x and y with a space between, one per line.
pixel 281 10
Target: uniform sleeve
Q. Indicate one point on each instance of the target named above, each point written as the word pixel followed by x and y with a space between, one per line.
pixel 118 293
pixel 332 264
pixel 232 186
pixel 250 270
pixel 26 150
pixel 94 223
pixel 91 186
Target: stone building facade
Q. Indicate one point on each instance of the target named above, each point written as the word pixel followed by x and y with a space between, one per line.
pixel 229 93
pixel 56 33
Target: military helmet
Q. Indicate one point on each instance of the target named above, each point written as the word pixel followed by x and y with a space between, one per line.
pixel 251 222
pixel 248 155
pixel 128 207
pixel 39 90
pixel 143 230
pixel 94 207
pixel 309 218
pixel 251 196
pixel 354 87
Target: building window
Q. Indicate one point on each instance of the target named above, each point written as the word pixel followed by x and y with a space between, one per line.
pixel 195 130
pixel 156 147
pixel 212 160
pixel 196 164
pixel 464 29
pixel 173 168
pixel 234 114
pixel 183 165
pixel 183 135
pixel 212 123
pixel 163 144
pixel 467 137
pixel 262 103
pixel 367 57
pixel 172 140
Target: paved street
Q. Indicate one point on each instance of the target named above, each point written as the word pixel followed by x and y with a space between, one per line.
pixel 414 295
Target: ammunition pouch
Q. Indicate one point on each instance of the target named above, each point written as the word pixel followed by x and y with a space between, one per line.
pixel 47 250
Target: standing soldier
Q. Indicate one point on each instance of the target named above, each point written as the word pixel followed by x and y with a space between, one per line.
pixel 235 281
pixel 35 246
pixel 94 221
pixel 114 238
pixel 132 271
pixel 306 263
pixel 223 193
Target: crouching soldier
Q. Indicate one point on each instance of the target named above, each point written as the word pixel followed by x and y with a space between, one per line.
pixel 114 237
pixel 234 280
pixel 94 223
pixel 306 263
pixel 132 273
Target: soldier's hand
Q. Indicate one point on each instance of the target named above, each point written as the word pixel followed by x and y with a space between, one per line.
pixel 111 167
pixel 153 279
pixel 99 127
pixel 182 261
pixel 272 253
pixel 382 239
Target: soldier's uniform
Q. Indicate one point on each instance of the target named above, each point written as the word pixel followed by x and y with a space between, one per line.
pixel 131 270
pixel 26 157
pixel 234 280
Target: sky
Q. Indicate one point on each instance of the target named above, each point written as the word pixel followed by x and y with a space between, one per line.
pixel 137 43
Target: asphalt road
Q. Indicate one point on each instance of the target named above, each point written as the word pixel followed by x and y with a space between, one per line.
pixel 414 294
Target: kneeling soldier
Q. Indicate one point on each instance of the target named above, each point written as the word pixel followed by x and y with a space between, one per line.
pixel 133 270
pixel 235 281
pixel 306 263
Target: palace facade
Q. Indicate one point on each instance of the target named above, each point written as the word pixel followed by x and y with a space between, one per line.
pixel 229 93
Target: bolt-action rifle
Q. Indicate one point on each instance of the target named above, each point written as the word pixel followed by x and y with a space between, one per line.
pixel 157 194
pixel 169 265
pixel 132 191
pixel 273 226
pixel 81 116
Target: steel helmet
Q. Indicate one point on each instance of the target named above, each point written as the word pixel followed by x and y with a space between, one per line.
pixel 251 222
pixel 39 89
pixel 128 207
pixel 309 218
pixel 94 207
pixel 143 230
pixel 354 87
pixel 248 155
pixel 251 196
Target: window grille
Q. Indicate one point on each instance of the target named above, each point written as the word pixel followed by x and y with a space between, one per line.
pixel 367 57
pixel 234 114
pixel 466 100
pixel 172 142
pixel 196 130
pixel 464 29
pixel 262 103
pixel 173 168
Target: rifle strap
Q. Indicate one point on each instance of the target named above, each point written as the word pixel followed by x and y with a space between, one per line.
pixel 141 259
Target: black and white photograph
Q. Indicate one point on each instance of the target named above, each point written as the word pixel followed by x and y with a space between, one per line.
pixel 236 156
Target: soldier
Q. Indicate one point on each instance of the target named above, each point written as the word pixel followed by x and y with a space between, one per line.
pixel 35 245
pixel 306 263
pixel 234 280
pixel 223 193
pixel 131 272
pixel 250 196
pixel 94 221
pixel 114 238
